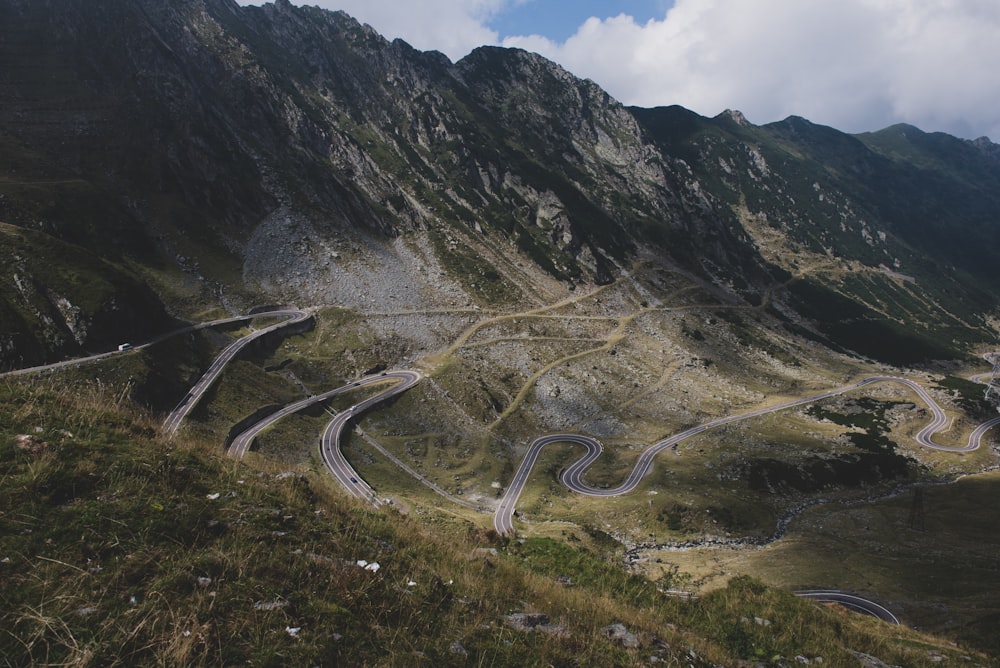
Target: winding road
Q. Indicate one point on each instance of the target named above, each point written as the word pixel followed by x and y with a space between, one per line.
pixel 572 476
pixel 79 361
pixel 333 457
pixel 851 602
pixel 194 395
pixel 330 452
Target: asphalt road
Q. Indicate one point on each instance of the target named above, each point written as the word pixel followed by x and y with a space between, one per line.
pixel 572 476
pixel 329 449
pixel 330 452
pixel 194 395
pixel 850 601
pixel 985 377
pixel 78 361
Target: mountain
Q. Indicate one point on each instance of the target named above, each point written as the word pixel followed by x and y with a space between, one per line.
pixel 184 142
pixel 548 260
pixel 896 229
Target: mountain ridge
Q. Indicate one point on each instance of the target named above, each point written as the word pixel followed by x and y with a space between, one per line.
pixel 215 117
pixel 549 261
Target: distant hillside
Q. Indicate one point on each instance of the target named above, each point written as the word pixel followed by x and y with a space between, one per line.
pixel 889 238
pixel 232 155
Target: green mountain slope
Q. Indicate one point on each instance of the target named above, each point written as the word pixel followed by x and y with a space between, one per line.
pixel 888 241
pixel 206 133
pixel 59 299
pixel 119 548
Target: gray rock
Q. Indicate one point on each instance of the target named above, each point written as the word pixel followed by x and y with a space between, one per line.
pixel 534 621
pixel 618 633
pixel 869 661
pixel 526 621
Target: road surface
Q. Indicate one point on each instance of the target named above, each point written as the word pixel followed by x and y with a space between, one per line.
pixel 572 476
pixel 333 458
pixel 851 602
pixel 329 449
pixel 194 395
pixel 79 361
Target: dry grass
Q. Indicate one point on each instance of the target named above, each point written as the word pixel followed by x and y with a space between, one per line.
pixel 121 549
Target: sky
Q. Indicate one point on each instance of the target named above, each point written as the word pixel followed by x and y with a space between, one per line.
pixel 856 65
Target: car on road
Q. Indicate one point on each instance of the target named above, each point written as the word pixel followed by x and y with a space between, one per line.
pixel 122 347
pixel 354 479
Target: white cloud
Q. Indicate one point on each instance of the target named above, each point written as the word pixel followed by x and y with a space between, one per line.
pixel 853 64
pixel 453 27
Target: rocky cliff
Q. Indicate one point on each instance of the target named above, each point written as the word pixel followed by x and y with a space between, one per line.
pixel 228 154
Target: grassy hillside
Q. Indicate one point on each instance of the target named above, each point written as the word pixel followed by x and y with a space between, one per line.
pixel 119 548
pixel 549 261
pixel 58 300
pixel 887 239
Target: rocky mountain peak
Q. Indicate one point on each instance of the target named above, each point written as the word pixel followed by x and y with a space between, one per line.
pixel 243 125
pixel 736 116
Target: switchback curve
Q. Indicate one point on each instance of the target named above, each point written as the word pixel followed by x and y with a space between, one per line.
pixel 572 476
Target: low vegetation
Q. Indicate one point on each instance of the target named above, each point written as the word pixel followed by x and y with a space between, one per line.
pixel 120 548
pixel 548 265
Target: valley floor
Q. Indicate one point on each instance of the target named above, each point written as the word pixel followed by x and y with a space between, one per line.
pixel 615 364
